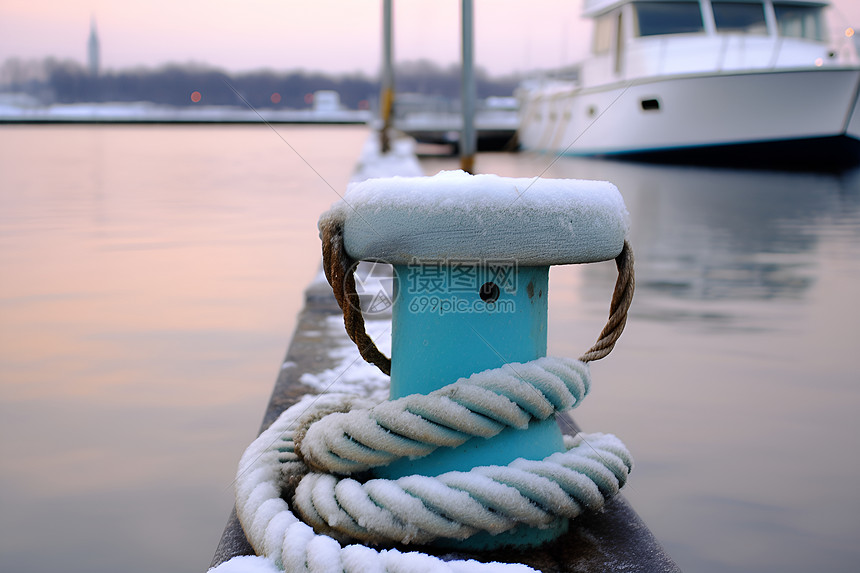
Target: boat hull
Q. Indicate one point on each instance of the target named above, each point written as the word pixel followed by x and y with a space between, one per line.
pixel 809 116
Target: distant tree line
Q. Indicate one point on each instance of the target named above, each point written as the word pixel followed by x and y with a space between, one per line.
pixel 54 81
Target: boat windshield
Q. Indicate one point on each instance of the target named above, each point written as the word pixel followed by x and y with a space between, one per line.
pixel 800 21
pixel 658 18
pixel 740 17
pixel 602 35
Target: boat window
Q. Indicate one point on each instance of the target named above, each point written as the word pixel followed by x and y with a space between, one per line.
pixel 743 17
pixel 657 18
pixel 602 34
pixel 800 21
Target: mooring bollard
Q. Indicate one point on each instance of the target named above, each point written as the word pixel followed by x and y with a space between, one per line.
pixel 471 257
pixel 453 318
pixel 465 455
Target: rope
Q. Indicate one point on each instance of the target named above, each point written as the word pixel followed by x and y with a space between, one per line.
pixel 414 426
pixel 456 505
pixel 412 509
pixel 340 272
pixel 622 296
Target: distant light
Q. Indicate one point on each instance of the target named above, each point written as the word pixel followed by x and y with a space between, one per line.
pixel 196 97
pixel 309 99
pixel 276 98
pixel 364 104
pixel 819 62
pixel 849 32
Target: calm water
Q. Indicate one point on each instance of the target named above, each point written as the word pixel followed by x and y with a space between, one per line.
pixel 150 281
pixel 150 278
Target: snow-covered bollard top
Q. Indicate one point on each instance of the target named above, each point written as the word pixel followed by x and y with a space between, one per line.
pixel 455 215
pixel 471 257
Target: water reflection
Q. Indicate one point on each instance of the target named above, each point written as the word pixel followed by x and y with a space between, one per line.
pixel 723 233
pixel 150 279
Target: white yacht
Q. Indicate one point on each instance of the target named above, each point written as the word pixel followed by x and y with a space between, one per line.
pixel 742 80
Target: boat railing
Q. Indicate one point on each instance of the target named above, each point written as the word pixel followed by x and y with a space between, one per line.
pixel 719 53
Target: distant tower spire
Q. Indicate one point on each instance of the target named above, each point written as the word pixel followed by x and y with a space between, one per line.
pixel 93 49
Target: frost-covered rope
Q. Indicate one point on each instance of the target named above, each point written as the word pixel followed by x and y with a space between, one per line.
pixel 345 434
pixel 494 498
pixel 456 505
pixel 481 405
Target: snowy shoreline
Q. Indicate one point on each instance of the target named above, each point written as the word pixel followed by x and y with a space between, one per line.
pixel 142 112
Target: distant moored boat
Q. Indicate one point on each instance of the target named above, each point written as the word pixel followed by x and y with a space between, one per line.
pixel 748 82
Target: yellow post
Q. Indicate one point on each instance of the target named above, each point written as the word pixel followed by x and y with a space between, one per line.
pixel 386 102
pixel 468 137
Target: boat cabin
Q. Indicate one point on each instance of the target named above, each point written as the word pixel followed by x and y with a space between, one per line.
pixel 647 38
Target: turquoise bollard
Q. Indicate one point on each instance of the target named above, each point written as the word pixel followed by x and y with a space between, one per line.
pixel 444 329
pixel 471 255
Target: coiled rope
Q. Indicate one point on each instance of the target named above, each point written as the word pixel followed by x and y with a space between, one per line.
pixel 332 511
pixel 481 405
pixel 296 457
pixel 420 509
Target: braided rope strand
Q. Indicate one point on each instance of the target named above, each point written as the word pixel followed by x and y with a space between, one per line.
pixel 481 405
pixel 339 271
pixel 622 296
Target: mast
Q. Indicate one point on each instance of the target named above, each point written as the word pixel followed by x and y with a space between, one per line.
pixel 387 88
pixel 468 138
pixel 93 49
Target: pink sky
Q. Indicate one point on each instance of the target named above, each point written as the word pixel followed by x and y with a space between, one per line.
pixel 329 35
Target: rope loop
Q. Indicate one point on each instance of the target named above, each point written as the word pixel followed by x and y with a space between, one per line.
pixel 622 296
pixel 481 405
pixel 339 271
